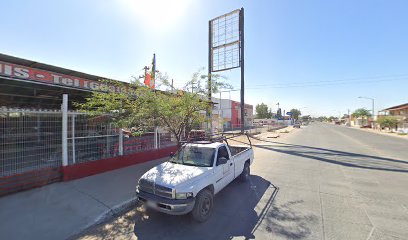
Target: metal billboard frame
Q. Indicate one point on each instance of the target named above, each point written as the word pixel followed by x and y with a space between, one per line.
pixel 235 29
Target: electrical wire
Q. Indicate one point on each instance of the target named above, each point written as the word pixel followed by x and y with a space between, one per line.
pixel 403 76
pixel 322 83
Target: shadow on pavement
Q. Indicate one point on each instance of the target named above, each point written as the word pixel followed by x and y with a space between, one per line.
pixel 348 159
pixel 234 215
pixel 285 221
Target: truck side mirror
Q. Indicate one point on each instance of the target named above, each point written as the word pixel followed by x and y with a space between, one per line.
pixel 221 160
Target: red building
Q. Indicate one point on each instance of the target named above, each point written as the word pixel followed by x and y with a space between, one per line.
pixel 236 114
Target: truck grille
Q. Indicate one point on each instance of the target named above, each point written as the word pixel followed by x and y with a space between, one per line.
pixel 150 187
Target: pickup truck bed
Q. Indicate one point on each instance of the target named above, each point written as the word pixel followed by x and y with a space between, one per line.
pixel 237 149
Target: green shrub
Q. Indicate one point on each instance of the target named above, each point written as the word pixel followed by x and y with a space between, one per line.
pixel 388 121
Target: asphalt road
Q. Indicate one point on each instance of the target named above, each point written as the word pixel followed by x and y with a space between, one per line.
pixel 318 182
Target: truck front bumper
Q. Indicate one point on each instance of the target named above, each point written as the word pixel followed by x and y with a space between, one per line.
pixel 165 205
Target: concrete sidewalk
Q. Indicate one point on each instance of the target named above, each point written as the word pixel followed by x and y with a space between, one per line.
pixel 381 132
pixel 59 210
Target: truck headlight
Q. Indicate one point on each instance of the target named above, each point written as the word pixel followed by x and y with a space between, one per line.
pixel 184 195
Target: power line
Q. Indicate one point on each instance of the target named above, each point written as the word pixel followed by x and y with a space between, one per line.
pixel 327 83
pixel 339 80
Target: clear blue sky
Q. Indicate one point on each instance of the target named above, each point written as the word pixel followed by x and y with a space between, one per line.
pixel 315 55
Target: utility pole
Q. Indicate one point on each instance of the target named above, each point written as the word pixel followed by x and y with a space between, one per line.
pixel 145 71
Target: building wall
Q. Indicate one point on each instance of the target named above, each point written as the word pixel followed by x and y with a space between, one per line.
pixel 236 114
pixel 226 114
pixel 235 118
pixel 402 116
pixel 400 112
pixel 249 115
pixel 222 108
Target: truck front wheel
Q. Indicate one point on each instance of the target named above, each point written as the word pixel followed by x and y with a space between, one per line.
pixel 245 173
pixel 203 206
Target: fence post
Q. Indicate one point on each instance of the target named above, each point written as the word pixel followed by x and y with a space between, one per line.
pixel 73 138
pixel 121 142
pixel 64 109
pixel 156 144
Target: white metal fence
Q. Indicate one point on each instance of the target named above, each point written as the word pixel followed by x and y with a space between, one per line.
pixel 33 139
pixel 29 140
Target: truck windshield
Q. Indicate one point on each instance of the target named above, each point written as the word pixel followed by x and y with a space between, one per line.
pixel 194 156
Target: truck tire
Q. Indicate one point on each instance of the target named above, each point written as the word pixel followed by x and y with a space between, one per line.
pixel 244 177
pixel 203 206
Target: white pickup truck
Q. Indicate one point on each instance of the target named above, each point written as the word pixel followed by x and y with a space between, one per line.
pixel 193 175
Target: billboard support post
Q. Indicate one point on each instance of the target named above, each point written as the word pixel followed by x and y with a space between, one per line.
pixel 209 107
pixel 241 30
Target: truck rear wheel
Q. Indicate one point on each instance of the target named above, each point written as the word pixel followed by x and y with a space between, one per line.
pixel 244 177
pixel 203 206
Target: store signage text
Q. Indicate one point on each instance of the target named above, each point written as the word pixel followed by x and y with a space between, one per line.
pixel 27 73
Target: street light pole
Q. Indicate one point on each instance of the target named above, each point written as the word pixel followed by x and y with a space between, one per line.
pixel 372 102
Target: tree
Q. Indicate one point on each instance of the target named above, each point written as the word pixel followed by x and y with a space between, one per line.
pixel 331 118
pixel 388 122
pixel 295 113
pixel 361 112
pixel 262 111
pixel 141 108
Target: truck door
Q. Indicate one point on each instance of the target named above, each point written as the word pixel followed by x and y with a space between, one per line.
pixel 224 172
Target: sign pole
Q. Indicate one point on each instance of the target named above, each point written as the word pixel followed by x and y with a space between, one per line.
pixel 209 107
pixel 241 28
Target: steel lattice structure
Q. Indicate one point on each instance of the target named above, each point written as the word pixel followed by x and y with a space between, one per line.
pixel 225 42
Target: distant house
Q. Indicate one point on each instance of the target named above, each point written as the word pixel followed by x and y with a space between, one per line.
pixel 401 113
pixel 360 121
